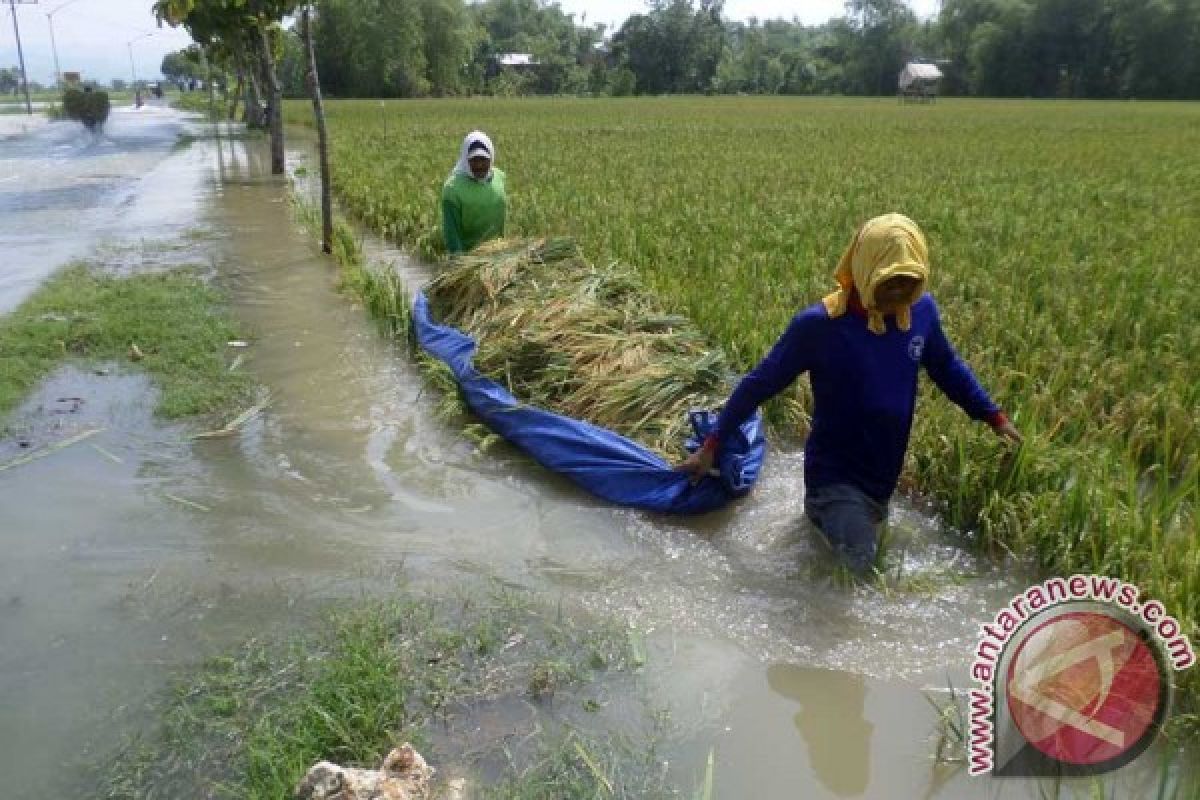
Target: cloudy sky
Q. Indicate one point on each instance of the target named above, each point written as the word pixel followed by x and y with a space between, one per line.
pixel 95 37
pixel 91 36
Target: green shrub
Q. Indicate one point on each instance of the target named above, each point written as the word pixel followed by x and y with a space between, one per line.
pixel 86 105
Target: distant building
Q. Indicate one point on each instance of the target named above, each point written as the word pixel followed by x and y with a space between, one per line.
pixel 517 60
pixel 521 63
pixel 919 82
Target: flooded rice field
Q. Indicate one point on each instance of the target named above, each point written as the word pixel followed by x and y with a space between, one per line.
pixel 136 552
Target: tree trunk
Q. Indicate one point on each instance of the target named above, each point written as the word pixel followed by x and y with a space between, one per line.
pixel 253 105
pixel 212 92
pixel 275 110
pixel 237 94
pixel 314 88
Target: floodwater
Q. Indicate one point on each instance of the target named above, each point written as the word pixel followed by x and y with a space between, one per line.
pixel 135 552
pixel 65 191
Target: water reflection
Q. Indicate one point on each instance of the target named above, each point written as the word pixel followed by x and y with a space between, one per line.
pixel 832 722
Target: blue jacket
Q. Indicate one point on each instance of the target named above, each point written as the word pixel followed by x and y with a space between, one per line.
pixel 864 391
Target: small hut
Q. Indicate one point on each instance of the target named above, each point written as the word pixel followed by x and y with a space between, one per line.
pixel 918 82
pixel 512 63
pixel 516 60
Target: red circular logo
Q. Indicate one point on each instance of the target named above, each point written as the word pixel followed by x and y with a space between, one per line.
pixel 1084 688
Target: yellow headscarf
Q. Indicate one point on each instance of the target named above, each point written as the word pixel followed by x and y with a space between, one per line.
pixel 884 247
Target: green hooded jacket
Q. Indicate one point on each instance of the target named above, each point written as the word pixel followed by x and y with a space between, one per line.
pixel 473 210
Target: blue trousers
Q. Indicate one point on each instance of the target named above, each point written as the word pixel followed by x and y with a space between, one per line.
pixel 850 520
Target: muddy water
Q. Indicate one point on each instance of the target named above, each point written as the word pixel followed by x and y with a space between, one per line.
pixel 135 551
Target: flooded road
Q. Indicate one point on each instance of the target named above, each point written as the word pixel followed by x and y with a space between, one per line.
pixel 138 551
pixel 65 191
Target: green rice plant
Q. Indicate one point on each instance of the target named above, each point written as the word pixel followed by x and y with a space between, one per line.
pixel 1063 242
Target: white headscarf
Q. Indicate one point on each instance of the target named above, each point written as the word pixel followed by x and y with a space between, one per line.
pixel 473 138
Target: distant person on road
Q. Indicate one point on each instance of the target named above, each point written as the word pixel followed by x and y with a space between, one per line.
pixel 473 199
pixel 861 346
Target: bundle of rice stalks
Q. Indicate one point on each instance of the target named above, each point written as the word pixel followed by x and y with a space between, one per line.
pixel 581 340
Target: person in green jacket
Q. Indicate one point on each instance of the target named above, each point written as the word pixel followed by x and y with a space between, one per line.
pixel 473 199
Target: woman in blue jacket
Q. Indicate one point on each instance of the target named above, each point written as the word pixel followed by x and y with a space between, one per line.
pixel 862 347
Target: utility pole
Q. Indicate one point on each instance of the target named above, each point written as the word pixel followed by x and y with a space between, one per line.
pixel 53 45
pixel 12 5
pixel 132 68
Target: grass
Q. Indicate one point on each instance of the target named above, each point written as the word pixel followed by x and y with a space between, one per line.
pixel 176 320
pixel 575 765
pixel 198 102
pixel 249 724
pixel 1062 241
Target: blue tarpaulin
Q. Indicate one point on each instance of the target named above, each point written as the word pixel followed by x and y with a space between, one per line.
pixel 602 462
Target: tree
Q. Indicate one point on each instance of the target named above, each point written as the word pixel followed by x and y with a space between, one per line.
pixel 449 38
pixel 623 82
pixel 183 65
pixel 248 29
pixel 998 60
pixel 314 87
pixel 882 38
pixel 552 37
pixel 371 48
pixel 10 80
pixel 1071 48
pixel 675 47
pixel 293 64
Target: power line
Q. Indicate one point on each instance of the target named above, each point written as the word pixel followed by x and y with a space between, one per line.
pixel 12 6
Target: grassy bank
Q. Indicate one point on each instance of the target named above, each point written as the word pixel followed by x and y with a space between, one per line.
pixel 175 319
pixel 198 102
pixel 249 724
pixel 1062 241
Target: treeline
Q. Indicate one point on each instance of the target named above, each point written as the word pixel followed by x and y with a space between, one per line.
pixel 1006 48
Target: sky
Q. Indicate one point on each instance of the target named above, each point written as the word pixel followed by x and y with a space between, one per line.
pixel 97 37
pixel 94 37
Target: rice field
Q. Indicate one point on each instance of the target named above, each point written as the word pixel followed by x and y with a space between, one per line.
pixel 1064 239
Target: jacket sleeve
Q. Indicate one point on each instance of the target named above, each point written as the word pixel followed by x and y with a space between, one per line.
pixel 791 355
pixel 953 376
pixel 451 220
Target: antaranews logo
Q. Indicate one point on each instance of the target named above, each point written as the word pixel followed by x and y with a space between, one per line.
pixel 1074 678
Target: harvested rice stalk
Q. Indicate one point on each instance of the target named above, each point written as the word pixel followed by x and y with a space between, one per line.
pixel 581 340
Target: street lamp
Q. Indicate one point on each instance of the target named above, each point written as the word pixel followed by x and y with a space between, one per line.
pixel 12 5
pixel 53 46
pixel 132 68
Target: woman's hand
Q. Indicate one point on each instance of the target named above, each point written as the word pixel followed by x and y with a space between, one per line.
pixel 699 464
pixel 1007 431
